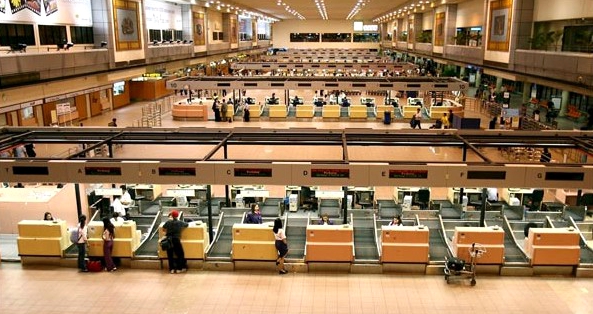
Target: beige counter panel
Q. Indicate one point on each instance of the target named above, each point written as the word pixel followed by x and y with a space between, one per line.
pixel 42 238
pixel 194 239
pixel 553 246
pixel 404 244
pixel 126 239
pixel 334 243
pixel 492 239
pixel 254 242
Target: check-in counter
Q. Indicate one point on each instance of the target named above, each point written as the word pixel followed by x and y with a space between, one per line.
pixel 553 246
pixel 471 193
pixel 330 243
pixel 194 239
pixel 331 112
pixel 404 244
pixel 255 111
pixel 305 111
pixel 380 111
pixel 569 197
pixel 357 112
pixel 42 238
pixel 519 194
pixel 491 238
pixel 126 239
pixel 254 242
pixel 277 111
pixel 436 112
pixel 185 112
pixel 408 111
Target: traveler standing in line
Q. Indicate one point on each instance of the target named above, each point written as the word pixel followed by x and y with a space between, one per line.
pixel 417 118
pixel 281 245
pixel 30 149
pixel 445 121
pixel 223 110
pixel 108 232
pixel 81 243
pixel 175 255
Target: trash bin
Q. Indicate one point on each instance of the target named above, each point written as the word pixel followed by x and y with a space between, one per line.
pixel 387 117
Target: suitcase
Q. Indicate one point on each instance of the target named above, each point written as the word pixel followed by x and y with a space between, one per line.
pixel 455 264
pixel 94 266
pixel 387 117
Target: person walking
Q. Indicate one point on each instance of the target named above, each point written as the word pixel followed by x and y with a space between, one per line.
pixel 175 254
pixel 416 119
pixel 108 235
pixel 281 245
pixel 81 243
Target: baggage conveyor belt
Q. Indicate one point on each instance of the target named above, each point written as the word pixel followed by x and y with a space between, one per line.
pixel 437 245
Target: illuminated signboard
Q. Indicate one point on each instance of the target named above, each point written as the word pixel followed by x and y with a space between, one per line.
pixel 408 174
pixel 330 173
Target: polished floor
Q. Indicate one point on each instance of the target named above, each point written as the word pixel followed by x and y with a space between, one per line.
pixel 64 290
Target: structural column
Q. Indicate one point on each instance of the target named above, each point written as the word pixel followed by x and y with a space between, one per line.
pixel 498 84
pixel 564 103
pixel 526 92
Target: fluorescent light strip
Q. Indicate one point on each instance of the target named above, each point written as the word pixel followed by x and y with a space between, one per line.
pixel 407 9
pixel 289 10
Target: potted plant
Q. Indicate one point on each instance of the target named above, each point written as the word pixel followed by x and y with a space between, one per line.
pixel 403 36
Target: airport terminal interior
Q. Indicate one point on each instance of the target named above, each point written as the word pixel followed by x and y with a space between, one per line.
pixel 421 156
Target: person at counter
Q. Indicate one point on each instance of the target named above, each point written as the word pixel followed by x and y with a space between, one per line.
pixel 273 100
pixel 397 221
pixel 118 207
pixel 546 156
pixel 175 255
pixel 492 194
pixel 108 231
pixel 254 217
pixel 116 219
pixel 48 217
pixel 325 220
pixel 295 101
pixel 125 200
pixel 81 243
pixel 281 245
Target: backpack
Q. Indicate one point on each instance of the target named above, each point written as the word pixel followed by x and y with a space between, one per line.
pixel 75 236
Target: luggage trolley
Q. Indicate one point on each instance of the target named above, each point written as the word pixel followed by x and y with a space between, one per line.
pixel 457 269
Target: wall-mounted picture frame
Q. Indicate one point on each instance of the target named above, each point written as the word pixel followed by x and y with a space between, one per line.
pixel 127 33
pixel 499 25
pixel 439 29
pixel 199 30
pixel 234 35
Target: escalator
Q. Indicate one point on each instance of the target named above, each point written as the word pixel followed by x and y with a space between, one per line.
pixel 365 246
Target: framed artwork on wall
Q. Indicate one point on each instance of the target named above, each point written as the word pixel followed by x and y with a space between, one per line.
pixel 199 29
pixel 499 25
pixel 234 38
pixel 411 35
pixel 127 33
pixel 439 29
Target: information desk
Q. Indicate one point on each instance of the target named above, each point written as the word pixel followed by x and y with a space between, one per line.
pixel 197 109
pixel 194 239
pixel 404 244
pixel 31 202
pixel 254 242
pixel 553 246
pixel 126 239
pixel 42 238
pixel 330 243
pixel 436 112
pixel 491 238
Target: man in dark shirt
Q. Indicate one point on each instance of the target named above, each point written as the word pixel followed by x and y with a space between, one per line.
pixel 173 229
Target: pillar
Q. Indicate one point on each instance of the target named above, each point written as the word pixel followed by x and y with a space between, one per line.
pixel 526 92
pixel 462 72
pixel 498 84
pixel 564 103
pixel 478 78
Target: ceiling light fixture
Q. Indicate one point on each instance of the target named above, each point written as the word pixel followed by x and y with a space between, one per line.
pixel 320 4
pixel 289 10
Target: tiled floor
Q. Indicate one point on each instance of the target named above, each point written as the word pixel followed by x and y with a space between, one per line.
pixel 63 290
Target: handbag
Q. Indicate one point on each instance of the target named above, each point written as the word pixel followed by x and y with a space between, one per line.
pixel 166 243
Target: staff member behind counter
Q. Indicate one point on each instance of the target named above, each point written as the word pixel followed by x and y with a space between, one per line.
pixel 492 194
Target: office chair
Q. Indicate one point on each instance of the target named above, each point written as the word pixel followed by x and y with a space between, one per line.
pixel 587 201
pixel 423 197
pixel 536 199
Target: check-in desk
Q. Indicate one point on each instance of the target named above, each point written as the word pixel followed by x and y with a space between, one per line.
pixel 436 112
pixel 470 193
pixel 380 111
pixel 277 111
pixel 150 192
pixel 367 101
pixel 184 112
pixel 357 112
pixel 553 246
pixel 255 111
pixel 125 241
pixel 42 238
pixel 194 239
pixel 519 194
pixel 404 244
pixel 254 242
pixel 331 112
pixel 305 111
pixel 491 238
pixel 330 243
pixel 256 193
pixel 569 197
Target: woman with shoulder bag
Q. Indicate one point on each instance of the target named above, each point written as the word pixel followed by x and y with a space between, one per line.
pixel 108 234
pixel 81 243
